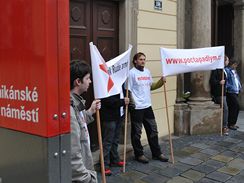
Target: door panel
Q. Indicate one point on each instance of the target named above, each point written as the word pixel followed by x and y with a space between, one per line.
pixel 80 23
pixel 105 28
pixel 93 21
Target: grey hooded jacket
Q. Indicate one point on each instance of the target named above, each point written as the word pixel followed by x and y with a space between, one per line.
pixel 81 157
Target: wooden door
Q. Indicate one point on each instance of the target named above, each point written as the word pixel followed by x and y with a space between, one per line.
pixel 93 21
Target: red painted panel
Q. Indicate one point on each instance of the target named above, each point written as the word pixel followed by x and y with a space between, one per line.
pixel 29 72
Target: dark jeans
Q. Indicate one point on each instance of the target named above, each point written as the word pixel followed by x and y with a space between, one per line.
pixel 233 105
pixel 225 110
pixel 111 132
pixel 145 117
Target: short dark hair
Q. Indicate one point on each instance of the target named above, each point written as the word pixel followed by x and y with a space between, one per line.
pixel 78 69
pixel 233 61
pixel 136 56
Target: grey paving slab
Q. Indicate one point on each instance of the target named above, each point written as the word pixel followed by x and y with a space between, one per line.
pixel 179 179
pixel 144 168
pixel 229 170
pixel 181 154
pixel 155 178
pixel 191 161
pixel 132 176
pixel 204 168
pixel 222 158
pixel 236 179
pixel 233 140
pixel 200 146
pixel 214 163
pixel 191 149
pixel 237 149
pixel 169 172
pixel 210 151
pixel 218 176
pixel 182 166
pixel 241 156
pixel 237 163
pixel 240 144
pixel 193 175
pixel 159 164
pixel 230 153
pixel 219 148
pixel 201 156
pixel 226 144
pixel 206 180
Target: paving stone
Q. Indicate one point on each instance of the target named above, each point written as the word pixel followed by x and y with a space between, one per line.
pixel 200 146
pixel 236 179
pixel 204 168
pixel 241 156
pixel 225 143
pixel 240 144
pixel 237 149
pixel 169 172
pixel 182 166
pixel 219 148
pixel 191 161
pixel 191 150
pixel 210 152
pixel 222 158
pixel 218 176
pixel 181 154
pixel 214 163
pixel 144 168
pixel 237 163
pixel 159 164
pixel 201 156
pixel 119 179
pixel 229 170
pixel 154 178
pixel 179 179
pixel 193 175
pixel 230 154
pixel 131 176
pixel 233 140
pixel 206 180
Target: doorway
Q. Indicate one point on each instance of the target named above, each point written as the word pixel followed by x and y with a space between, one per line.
pixel 94 21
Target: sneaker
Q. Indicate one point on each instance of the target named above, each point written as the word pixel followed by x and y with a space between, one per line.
pixel 232 128
pixel 108 172
pixel 161 157
pixel 237 126
pixel 142 159
pixel 118 164
pixel 225 131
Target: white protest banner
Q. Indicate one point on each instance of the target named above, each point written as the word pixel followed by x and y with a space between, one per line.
pixel 176 61
pixel 108 77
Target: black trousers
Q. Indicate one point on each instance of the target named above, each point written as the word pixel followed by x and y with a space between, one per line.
pixel 111 133
pixel 146 118
pixel 233 105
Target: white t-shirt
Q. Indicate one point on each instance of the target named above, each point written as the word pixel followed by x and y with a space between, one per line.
pixel 140 87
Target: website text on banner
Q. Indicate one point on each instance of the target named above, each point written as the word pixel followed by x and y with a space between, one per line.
pixel 176 61
pixel 108 77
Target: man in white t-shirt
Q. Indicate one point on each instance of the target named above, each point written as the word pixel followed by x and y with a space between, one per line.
pixel 140 86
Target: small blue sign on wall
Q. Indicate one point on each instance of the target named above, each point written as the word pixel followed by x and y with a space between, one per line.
pixel 158 4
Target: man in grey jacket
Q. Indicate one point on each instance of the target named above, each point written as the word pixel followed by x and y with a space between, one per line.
pixel 81 157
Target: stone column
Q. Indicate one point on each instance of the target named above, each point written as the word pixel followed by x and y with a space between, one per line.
pixel 180 45
pixel 239 42
pixel 201 37
pixel 204 114
pixel 181 110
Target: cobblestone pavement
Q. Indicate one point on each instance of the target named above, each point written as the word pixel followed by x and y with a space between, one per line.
pixel 203 159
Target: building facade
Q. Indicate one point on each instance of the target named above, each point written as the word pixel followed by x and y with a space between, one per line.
pixel 203 24
pixel 112 26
